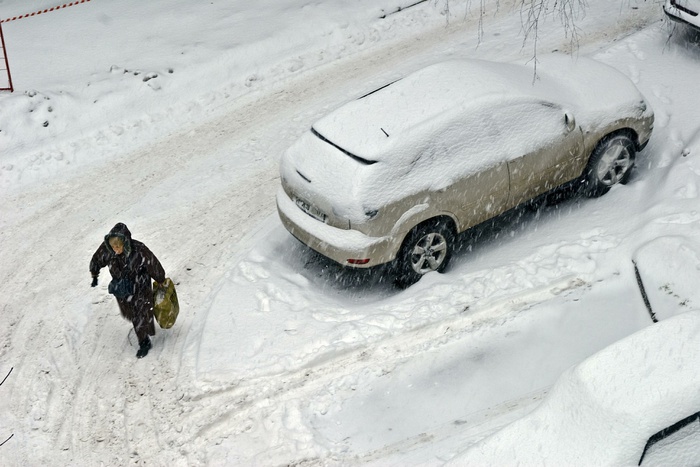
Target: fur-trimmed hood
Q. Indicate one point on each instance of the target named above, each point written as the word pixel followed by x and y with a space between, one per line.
pixel 120 231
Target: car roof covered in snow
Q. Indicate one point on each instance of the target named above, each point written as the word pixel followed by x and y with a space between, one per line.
pixel 367 126
pixel 603 411
pixel 373 125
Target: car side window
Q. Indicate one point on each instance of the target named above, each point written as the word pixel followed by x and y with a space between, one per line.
pixel 677 445
pixel 535 125
pixel 461 145
pixel 504 131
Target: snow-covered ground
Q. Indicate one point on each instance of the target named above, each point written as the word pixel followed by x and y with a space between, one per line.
pixel 171 116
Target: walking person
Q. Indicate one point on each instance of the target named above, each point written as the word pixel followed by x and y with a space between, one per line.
pixel 132 266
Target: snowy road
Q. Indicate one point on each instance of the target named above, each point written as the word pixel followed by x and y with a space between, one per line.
pixel 306 360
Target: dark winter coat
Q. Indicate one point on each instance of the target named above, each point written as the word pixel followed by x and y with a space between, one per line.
pixel 132 271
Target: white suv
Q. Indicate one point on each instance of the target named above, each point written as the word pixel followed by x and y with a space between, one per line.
pixel 394 176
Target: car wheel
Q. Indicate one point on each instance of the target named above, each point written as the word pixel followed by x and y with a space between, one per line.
pixel 428 247
pixel 611 163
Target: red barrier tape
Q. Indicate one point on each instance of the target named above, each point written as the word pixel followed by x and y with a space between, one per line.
pixel 77 2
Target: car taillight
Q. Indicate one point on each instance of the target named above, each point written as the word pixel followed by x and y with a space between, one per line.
pixel 358 261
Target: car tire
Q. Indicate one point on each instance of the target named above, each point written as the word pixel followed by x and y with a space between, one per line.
pixel 427 247
pixel 611 163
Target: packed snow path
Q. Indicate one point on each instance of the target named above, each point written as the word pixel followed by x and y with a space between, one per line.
pixel 203 200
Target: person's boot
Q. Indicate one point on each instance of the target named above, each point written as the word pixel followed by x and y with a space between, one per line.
pixel 144 347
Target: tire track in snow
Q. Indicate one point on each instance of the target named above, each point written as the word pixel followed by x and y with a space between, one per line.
pixel 79 435
pixel 245 406
pixel 472 426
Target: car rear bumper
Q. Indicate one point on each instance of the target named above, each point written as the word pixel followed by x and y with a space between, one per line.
pixel 340 245
pixel 682 15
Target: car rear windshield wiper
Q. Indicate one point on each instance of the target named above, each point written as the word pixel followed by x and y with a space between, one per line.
pixel 357 158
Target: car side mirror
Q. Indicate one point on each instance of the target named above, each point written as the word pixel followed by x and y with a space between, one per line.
pixel 570 121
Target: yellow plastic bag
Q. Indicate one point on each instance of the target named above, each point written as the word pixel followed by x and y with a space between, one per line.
pixel 165 304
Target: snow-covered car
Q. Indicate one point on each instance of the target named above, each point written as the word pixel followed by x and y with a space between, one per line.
pixel 396 174
pixel 636 402
pixel 684 11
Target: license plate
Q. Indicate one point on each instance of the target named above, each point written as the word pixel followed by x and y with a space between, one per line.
pixel 310 210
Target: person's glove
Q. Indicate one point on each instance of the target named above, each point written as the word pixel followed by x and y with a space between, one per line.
pixel 94 282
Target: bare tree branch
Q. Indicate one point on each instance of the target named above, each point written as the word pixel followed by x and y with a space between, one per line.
pixel 1 383
pixel 1 444
pixel 533 14
pixel 644 292
pixel 8 374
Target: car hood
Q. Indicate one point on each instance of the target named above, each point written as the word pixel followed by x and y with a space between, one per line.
pixel 598 93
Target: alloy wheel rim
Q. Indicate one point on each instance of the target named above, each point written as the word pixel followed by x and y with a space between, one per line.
pixel 614 164
pixel 429 253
